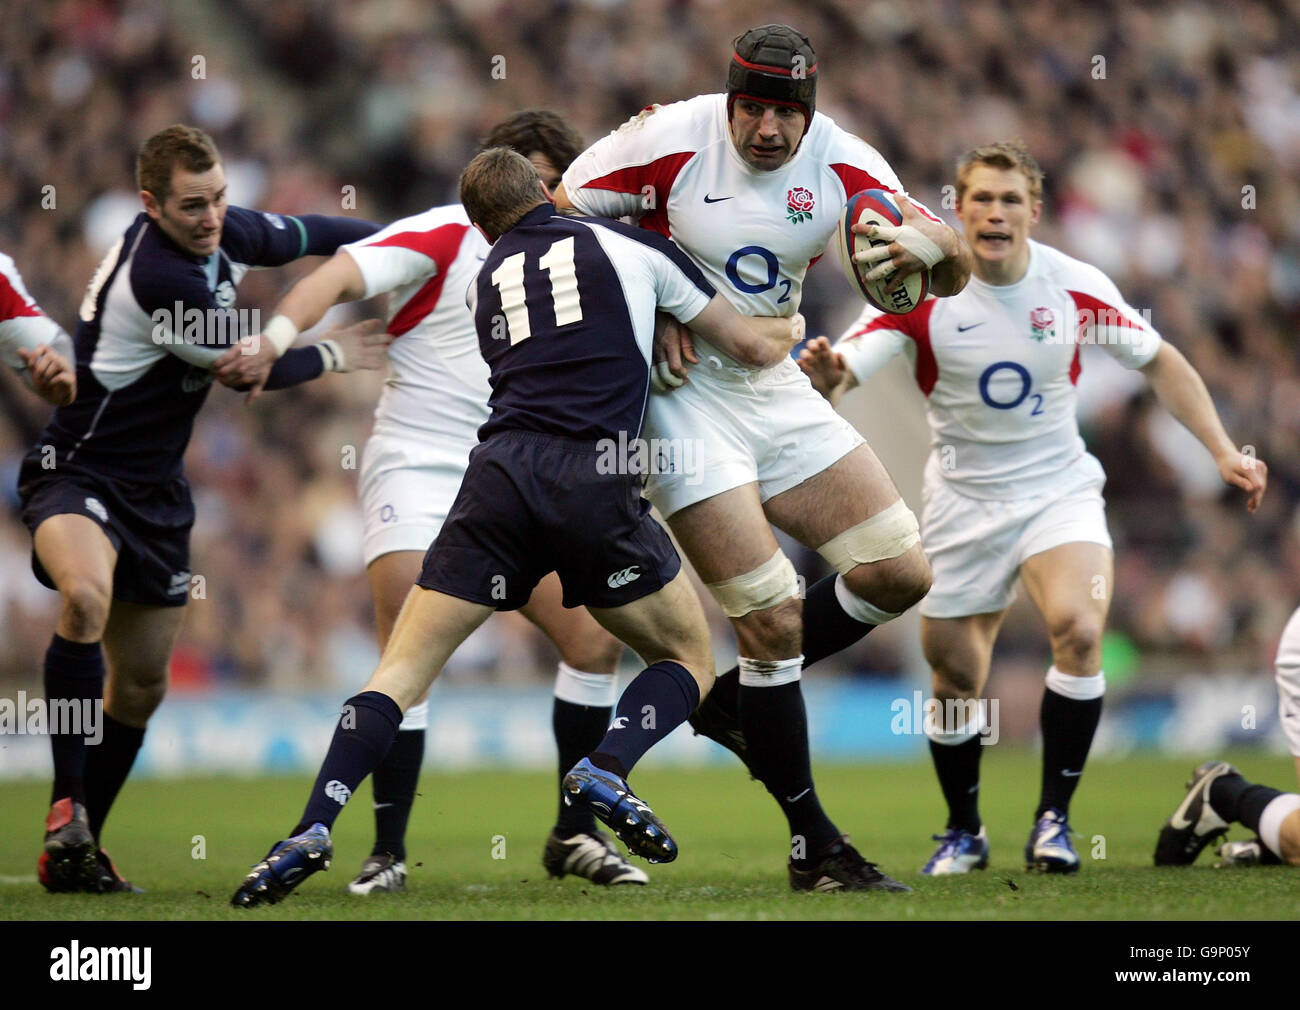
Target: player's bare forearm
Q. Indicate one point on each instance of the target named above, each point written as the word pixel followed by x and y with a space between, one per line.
pixel 1181 391
pixel 777 334
pixel 337 280
pixel 950 275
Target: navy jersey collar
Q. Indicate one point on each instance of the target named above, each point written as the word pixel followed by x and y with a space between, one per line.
pixel 537 215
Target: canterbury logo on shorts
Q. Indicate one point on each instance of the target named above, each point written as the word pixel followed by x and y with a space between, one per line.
pixel 629 574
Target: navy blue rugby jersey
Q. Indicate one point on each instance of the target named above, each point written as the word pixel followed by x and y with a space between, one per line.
pixel 153 320
pixel 564 308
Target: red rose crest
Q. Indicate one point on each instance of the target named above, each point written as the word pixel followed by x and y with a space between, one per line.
pixel 1042 320
pixel 799 204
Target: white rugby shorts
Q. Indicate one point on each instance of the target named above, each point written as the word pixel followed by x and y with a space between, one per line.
pixel 728 427
pixel 976 546
pixel 1288 682
pixel 407 486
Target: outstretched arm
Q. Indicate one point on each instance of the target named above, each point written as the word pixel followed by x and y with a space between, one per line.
pixel 1181 391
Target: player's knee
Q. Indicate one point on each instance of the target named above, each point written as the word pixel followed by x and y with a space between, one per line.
pixel 85 606
pixel 893 585
pixel 136 696
pixel 1076 641
pixel 953 680
pixel 772 633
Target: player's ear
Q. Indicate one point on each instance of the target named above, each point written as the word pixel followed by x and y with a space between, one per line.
pixel 1037 212
pixel 151 205
pixel 550 197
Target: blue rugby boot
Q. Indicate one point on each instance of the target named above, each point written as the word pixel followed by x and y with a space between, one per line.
pixel 286 866
pixel 1049 848
pixel 609 798
pixel 958 852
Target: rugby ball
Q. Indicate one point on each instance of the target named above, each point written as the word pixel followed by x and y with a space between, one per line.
pixel 875 206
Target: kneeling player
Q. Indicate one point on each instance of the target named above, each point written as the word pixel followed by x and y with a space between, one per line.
pixel 564 309
pixel 1218 796
pixel 1010 489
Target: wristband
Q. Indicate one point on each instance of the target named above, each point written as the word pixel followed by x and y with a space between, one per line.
pixel 332 356
pixel 281 332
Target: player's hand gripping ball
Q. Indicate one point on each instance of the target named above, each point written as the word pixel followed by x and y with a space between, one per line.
pixel 876 207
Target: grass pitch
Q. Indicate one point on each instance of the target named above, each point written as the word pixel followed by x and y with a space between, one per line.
pixel 476 839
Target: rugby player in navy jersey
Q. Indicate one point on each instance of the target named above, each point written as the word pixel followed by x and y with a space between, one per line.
pixel 103 492
pixel 564 309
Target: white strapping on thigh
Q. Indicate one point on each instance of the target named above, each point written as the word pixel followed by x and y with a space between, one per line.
pixel 885 535
pixel 772 582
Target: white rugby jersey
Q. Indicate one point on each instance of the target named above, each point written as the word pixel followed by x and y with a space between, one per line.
pixel 439 381
pixel 22 323
pixel 999 364
pixel 754 233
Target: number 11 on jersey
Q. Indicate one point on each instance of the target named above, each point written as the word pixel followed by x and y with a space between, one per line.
pixel 508 279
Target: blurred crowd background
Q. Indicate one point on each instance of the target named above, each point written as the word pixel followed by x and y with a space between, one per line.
pixel 1170 137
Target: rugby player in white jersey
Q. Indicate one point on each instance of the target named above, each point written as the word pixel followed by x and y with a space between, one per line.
pixel 1218 795
pixel 751 184
pixel 33 344
pixel 425 426
pixel 1010 489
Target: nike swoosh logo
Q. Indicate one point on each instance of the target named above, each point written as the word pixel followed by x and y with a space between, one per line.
pixel 716 199
pixel 380 806
pixel 796 799
pixel 970 326
pixel 1070 774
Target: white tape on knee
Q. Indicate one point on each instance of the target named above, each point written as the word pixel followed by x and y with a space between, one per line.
pixel 416 717
pixel 772 582
pixel 595 690
pixel 769 672
pixel 885 535
pixel 858 608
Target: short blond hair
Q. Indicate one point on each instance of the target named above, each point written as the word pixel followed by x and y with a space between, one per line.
pixel 1008 154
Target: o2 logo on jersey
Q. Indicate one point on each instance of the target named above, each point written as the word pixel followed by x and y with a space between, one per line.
pixel 773 272
pixel 224 295
pixel 1026 384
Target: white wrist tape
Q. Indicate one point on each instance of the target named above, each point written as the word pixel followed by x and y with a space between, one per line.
pixel 332 356
pixel 909 238
pixel 281 332
pixel 662 378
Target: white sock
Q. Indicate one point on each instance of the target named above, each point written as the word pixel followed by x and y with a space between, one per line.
pixel 769 672
pixel 1076 688
pixel 416 717
pixel 595 690
pixel 1270 821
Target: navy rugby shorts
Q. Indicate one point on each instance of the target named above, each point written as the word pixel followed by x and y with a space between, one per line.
pixel 148 524
pixel 531 504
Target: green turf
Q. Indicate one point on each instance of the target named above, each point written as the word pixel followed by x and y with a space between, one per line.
pixel 730 833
